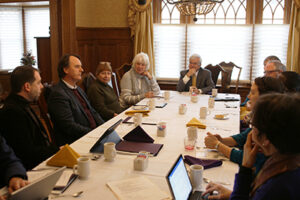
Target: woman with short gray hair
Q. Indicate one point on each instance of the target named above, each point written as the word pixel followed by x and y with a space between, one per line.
pixel 138 83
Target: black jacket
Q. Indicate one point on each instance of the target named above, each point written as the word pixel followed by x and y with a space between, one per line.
pixel 23 133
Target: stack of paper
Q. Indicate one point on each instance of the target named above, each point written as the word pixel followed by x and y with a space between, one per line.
pixel 137 188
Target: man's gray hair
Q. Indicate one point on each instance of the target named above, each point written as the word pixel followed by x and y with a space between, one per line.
pixel 195 55
pixel 141 58
pixel 278 65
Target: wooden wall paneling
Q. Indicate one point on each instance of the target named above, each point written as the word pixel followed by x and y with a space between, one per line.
pixel 104 44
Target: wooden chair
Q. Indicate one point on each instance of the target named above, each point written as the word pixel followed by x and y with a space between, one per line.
pixel 226 77
pixel 121 71
pixel 43 111
pixel 215 71
pixel 87 79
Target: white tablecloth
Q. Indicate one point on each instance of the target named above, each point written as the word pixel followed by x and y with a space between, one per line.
pixel 122 168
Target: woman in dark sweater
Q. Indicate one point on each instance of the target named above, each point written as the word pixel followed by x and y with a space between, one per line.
pixel 101 95
pixel 276 133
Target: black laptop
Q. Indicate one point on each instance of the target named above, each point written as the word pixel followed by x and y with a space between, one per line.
pixel 179 182
pixel 110 135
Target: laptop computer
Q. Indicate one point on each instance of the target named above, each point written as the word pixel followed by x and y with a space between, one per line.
pixel 39 189
pixel 179 182
pixel 110 135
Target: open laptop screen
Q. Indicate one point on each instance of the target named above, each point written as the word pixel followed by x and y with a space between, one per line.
pixel 179 181
pixel 110 135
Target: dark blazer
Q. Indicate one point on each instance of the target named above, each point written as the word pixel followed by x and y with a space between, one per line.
pixel 67 114
pixel 23 133
pixel 10 165
pixel 204 81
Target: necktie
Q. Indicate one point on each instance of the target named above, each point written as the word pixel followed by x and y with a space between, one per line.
pixel 194 79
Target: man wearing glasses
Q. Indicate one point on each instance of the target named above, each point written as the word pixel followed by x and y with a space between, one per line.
pixel 274 68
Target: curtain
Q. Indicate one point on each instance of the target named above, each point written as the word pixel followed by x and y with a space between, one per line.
pixel 140 21
pixel 293 53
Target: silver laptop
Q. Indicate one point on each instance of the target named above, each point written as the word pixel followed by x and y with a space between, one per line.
pixel 39 189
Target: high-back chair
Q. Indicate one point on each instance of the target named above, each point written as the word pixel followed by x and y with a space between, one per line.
pixel 121 71
pixel 87 80
pixel 43 110
pixel 215 71
pixel 226 77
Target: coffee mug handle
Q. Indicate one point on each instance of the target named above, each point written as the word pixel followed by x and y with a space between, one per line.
pixel 75 168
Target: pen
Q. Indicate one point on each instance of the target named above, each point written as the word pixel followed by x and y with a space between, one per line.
pixel 72 179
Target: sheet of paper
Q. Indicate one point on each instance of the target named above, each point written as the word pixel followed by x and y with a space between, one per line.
pixel 137 188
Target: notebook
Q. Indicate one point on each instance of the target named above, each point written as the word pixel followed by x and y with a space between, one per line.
pixel 39 189
pixel 179 182
pixel 135 141
pixel 110 135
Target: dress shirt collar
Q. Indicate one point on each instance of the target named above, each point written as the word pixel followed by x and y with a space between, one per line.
pixel 69 86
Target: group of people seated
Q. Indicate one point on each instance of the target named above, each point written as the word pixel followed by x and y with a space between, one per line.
pixel 75 113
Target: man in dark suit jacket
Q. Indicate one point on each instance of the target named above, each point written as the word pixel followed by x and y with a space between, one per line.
pixel 203 81
pixel 12 172
pixel 20 125
pixel 70 111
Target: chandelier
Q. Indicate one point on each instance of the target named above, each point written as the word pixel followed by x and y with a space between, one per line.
pixel 194 7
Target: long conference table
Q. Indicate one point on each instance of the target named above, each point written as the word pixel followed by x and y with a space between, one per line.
pixel 101 171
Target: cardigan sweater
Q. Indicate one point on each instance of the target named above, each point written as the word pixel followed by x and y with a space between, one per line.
pixel 134 86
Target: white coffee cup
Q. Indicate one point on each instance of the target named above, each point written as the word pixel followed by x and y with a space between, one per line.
pixel 194 98
pixel 151 104
pixel 82 169
pixel 214 92
pixel 109 151
pixel 167 95
pixel 211 102
pixel 137 118
pixel 161 129
pixel 182 109
pixel 196 174
pixel 204 112
pixel 192 133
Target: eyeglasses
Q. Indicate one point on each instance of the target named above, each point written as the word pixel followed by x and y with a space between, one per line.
pixel 271 71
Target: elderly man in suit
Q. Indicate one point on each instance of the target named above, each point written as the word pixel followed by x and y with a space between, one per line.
pixel 197 77
pixel 19 124
pixel 70 111
pixel 12 172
